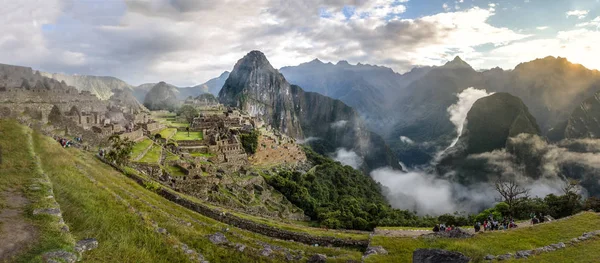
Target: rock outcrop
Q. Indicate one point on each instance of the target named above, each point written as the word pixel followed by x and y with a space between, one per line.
pixel 584 122
pixel 101 86
pixel 438 256
pixel 256 87
pixel 162 97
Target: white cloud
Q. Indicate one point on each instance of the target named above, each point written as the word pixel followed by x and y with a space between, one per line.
pixel 595 23
pixel 459 110
pixel 348 157
pixel 187 42
pixel 406 140
pixel 339 124
pixel 577 45
pixel 542 27
pixel 580 14
pixel 446 7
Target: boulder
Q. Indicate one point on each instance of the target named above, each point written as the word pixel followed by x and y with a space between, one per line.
pixel 523 254
pixel 438 256
pixel 505 256
pixel 59 256
pixel 489 257
pixel 218 238
pixel 317 258
pixel 375 250
pixel 265 252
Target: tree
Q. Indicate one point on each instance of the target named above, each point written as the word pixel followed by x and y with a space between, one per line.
pixel 250 141
pixel 119 150
pixel 188 112
pixel 511 193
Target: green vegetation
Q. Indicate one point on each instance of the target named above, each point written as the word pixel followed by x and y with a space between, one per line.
pixel 99 202
pixel 167 133
pixel 171 157
pixel 188 112
pixel 183 136
pixel 339 196
pixel 174 170
pixel 250 141
pixel 495 243
pixel 18 170
pixel 140 147
pixel 153 155
pixel 120 150
pixel 198 154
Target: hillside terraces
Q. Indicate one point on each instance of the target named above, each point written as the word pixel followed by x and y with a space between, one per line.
pixel 133 224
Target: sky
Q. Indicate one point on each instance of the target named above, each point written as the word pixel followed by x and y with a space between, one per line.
pixel 187 42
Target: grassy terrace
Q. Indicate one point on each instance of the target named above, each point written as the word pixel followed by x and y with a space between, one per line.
pixel 18 170
pixel 207 155
pixel 496 243
pixel 153 155
pixel 140 147
pixel 87 191
pixel 168 133
pixel 183 136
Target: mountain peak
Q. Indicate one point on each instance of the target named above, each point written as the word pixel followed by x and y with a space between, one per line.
pixel 253 60
pixel 316 61
pixel 343 63
pixel 457 62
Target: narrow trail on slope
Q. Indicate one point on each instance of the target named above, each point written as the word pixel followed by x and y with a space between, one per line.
pixel 15 232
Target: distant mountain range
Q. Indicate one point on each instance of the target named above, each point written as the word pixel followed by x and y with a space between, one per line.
pixel 414 105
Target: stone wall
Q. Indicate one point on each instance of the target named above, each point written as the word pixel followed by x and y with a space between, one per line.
pixel 135 136
pixel 249 225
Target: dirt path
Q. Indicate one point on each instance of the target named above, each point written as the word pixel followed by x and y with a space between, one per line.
pixel 15 232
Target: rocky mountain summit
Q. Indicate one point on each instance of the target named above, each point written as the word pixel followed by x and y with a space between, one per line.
pixel 101 86
pixel 256 87
pixel 162 97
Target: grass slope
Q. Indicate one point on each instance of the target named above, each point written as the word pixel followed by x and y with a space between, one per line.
pixel 495 243
pixel 99 202
pixel 183 136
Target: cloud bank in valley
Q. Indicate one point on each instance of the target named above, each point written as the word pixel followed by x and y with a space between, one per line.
pixel 347 157
pixel 458 111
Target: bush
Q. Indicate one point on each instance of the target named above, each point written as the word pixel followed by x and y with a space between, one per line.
pixel 250 141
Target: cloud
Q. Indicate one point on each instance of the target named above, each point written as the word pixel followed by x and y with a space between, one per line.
pixel 339 124
pixel 446 7
pixel 406 140
pixel 308 140
pixel 187 42
pixel 542 27
pixel 576 45
pixel 459 110
pixel 580 14
pixel 347 157
pixel 595 23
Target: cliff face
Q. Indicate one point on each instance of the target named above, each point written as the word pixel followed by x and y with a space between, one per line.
pixel 162 97
pixel 490 124
pixel 495 118
pixel 584 122
pixel 100 86
pixel 256 87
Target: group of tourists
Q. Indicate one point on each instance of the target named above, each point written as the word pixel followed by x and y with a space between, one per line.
pixel 442 228
pixel 491 224
pixel 66 143
pixel 536 219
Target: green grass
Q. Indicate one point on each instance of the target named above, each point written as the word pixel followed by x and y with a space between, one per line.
pixel 583 252
pixel 153 155
pixel 87 191
pixel 495 243
pixel 198 154
pixel 140 147
pixel 171 157
pixel 183 136
pixel 174 170
pixel 178 124
pixel 18 171
pixel 167 133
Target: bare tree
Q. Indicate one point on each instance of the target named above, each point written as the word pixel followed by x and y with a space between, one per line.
pixel 511 193
pixel 571 186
